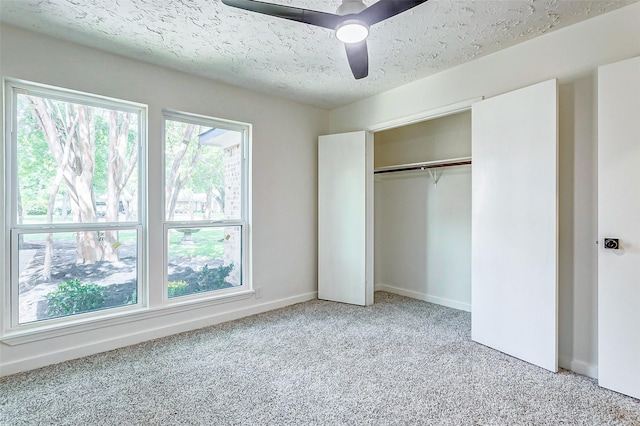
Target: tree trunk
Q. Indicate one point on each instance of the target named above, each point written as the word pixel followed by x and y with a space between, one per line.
pixel 208 204
pixel 53 192
pixel 218 197
pixel 115 172
pixel 175 181
pixel 70 133
pixel 65 206
pixel 59 128
pixel 89 245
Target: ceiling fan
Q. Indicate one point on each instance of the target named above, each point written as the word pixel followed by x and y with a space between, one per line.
pixel 351 22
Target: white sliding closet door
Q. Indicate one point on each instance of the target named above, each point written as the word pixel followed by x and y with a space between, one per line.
pixel 619 217
pixel 514 282
pixel 345 218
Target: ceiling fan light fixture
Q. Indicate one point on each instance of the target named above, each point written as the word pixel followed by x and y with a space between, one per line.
pixel 352 31
pixel 350 22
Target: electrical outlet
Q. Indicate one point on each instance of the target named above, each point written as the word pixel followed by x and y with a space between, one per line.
pixel 258 292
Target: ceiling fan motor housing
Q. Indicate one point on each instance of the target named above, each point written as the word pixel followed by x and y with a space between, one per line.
pixel 349 7
pixel 351 30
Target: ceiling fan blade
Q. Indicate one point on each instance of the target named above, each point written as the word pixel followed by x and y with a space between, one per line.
pixel 358 56
pixel 384 9
pixel 313 17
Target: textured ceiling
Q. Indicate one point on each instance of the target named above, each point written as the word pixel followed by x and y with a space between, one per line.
pixel 294 60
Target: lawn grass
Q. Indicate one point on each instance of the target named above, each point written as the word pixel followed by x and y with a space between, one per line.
pixel 207 242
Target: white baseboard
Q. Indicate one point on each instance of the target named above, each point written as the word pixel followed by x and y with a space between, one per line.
pixel 580 367
pixel 67 354
pixel 423 296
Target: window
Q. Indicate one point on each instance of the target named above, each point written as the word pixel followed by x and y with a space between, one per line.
pixel 205 205
pixel 74 204
pixel 76 223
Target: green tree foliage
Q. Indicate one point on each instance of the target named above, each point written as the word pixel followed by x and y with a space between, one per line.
pixel 190 167
pixel 35 163
pixel 101 156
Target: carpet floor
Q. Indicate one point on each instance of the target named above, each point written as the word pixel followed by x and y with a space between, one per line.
pixel 398 362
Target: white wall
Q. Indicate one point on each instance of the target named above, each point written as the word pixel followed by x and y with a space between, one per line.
pixel 283 173
pixel 577 251
pixel 423 231
pixel 439 139
pixel 571 54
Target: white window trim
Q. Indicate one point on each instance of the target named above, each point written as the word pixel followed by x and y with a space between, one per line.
pixel 78 325
pixel 243 222
pixel 13 284
pixel 64 326
pixel 53 327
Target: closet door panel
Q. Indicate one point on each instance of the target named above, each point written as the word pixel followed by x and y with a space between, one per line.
pixel 345 218
pixel 515 224
pixel 619 217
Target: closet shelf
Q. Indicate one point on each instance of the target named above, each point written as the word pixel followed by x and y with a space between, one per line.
pixel 424 165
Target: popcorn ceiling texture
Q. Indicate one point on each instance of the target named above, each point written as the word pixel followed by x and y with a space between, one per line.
pixel 293 60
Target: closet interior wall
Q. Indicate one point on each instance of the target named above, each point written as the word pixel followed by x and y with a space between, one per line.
pixel 423 229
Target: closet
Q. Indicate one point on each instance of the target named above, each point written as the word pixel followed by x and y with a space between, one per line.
pixel 427 245
pixel 422 210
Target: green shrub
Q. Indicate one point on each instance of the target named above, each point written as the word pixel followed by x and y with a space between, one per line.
pixel 74 297
pixel 133 299
pixel 37 210
pixel 177 288
pixel 213 279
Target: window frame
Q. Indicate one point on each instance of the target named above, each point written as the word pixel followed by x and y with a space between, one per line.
pixel 150 305
pixel 12 229
pixel 243 222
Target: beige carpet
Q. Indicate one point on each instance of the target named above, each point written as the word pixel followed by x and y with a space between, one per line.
pixel 398 362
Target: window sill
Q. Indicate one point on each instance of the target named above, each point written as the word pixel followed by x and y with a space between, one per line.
pixel 19 337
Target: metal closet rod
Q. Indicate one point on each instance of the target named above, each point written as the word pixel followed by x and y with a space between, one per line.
pixel 424 166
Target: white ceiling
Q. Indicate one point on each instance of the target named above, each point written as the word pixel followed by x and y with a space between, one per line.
pixel 294 60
